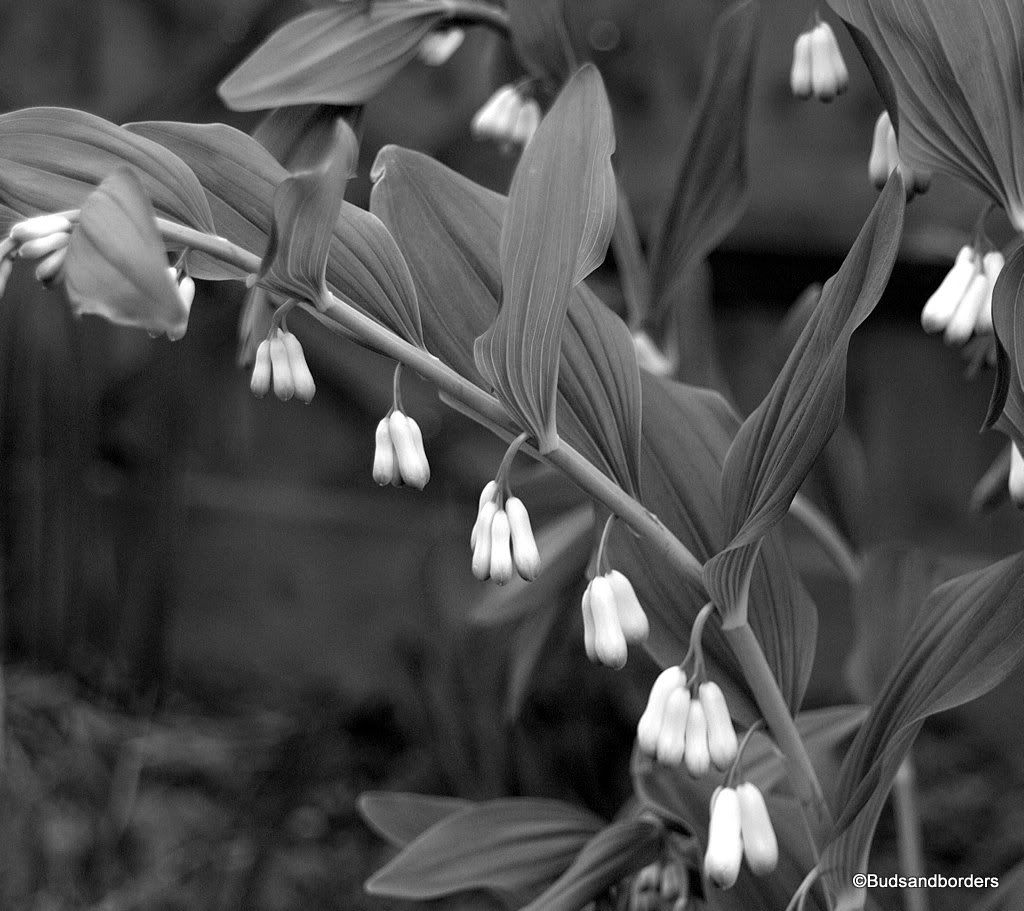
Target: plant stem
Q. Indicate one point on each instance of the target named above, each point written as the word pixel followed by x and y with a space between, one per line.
pixel 634 275
pixel 908 829
pixel 828 536
pixel 345 319
pixel 476 13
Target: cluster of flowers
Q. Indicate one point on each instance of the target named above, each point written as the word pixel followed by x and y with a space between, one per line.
pixel 661 887
pixel 818 66
pixel 612 618
pixel 962 304
pixel 399 457
pixel 502 538
pixel 680 726
pixel 280 361
pixel 509 116
pixel 885 158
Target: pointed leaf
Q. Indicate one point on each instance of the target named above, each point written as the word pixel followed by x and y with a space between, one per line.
pixel 306 208
pixel 556 231
pixel 364 265
pixel 116 266
pixel 515 848
pixel 299 137
pixel 956 71
pixel 341 54
pixel 449 229
pixel 710 192
pixel 1006 412
pixel 401 817
pixel 615 852
pixel 686 434
pixel 51 159
pixel 777 445
pixel 967 639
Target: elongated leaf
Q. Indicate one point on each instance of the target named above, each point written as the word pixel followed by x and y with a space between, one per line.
pixel 306 208
pixel 116 266
pixel 956 71
pixel 52 158
pixel 686 434
pixel 711 188
pixel 1006 412
pixel 556 231
pixel 777 445
pixel 515 848
pixel 449 229
pixel 341 54
pixel 616 851
pixel 364 265
pixel 895 583
pixel 969 636
pixel 299 137
pixel 401 817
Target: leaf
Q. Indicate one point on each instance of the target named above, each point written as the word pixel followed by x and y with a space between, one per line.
pixel 894 585
pixel 116 266
pixel 556 230
pixel 686 434
pixel 956 71
pixel 710 192
pixel 306 208
pixel 401 817
pixel 616 851
pixel 299 137
pixel 967 639
pixel 449 230
pixel 777 445
pixel 1006 412
pixel 338 55
pixel 364 265
pixel 514 847
pixel 541 39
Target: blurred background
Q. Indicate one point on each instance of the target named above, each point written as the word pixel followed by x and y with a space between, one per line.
pixel 218 630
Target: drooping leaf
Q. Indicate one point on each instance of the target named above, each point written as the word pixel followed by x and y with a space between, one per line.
pixel 777 445
pixel 449 229
pixel 299 137
pixel 686 434
pixel 541 39
pixel 556 230
pixel 401 817
pixel 306 207
pixel 955 70
pixel 967 639
pixel 894 585
pixel 513 847
pixel 621 848
pixel 51 159
pixel 341 54
pixel 116 266
pixel 1006 411
pixel 364 264
pixel 710 192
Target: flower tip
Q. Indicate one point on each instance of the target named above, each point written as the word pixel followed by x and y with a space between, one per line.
pixel 760 846
pixel 725 846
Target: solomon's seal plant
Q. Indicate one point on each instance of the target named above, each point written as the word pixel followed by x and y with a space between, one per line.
pixel 486 297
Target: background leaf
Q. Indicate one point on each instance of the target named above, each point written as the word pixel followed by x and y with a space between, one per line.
pixel 541 39
pixel 968 637
pixel 116 266
pixel 306 208
pixel 449 229
pixel 1006 412
pixel 515 848
pixel 401 817
pixel 301 135
pixel 556 230
pixel 710 192
pixel 340 54
pixel 777 445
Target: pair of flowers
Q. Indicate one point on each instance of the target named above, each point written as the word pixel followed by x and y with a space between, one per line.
pixel 818 67
pixel 509 116
pixel 740 827
pixel 399 457
pixel 962 304
pixel 502 538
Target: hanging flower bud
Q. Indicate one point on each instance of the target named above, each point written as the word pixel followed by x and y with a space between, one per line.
pixel 800 73
pixel 384 468
pixel 760 847
pixel 885 157
pixel 488 493
pixel 672 736
pixel 524 545
pixel 1016 482
pixel 632 618
pixel 261 371
pixel 968 309
pixel 39 226
pixel 698 759
pixel 650 357
pixel 49 268
pixel 185 286
pixel 941 305
pixel 725 845
pixel 962 304
pixel 722 742
pixel 609 641
pixel 482 546
pixel 649 727
pixel 44 238
pixel 436 48
pixel 280 370
pixel 501 549
pixel 508 116
pixel 818 67
pixel 302 379
pixel 409 452
pixel 992 263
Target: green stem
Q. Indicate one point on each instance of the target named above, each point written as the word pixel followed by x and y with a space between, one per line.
pixel 345 319
pixel 908 829
pixel 475 13
pixel 634 275
pixel 828 536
